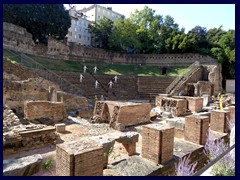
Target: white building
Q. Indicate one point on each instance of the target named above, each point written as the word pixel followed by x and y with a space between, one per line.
pixel 80 19
pixel 96 12
pixel 78 32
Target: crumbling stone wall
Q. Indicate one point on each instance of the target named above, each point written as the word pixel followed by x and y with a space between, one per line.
pixel 121 114
pixel 28 137
pixel 36 110
pixel 215 77
pixel 16 37
pixel 16 92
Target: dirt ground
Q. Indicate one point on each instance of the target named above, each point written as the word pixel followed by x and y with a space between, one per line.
pixel 76 128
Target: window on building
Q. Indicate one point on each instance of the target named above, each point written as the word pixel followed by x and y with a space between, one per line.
pixel 98 9
pixel 75 36
pixel 108 13
pixel 75 29
pixel 103 11
pixel 88 38
pixel 74 22
pixel 84 37
pixel 69 33
pixel 80 36
pixel 80 29
pixel 99 17
pixel 84 23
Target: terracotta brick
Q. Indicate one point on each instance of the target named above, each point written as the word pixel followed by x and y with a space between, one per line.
pixel 196 128
pixel 157 143
pixel 219 120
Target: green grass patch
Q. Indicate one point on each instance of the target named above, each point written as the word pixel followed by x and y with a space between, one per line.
pixel 178 71
pixel 103 68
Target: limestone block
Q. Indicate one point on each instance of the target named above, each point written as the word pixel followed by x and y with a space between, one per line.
pixel 25 166
pixel 60 127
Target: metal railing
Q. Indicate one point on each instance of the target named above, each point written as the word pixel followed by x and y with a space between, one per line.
pixel 214 161
pixel 45 73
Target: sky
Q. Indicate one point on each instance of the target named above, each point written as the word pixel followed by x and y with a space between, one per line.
pixel 185 15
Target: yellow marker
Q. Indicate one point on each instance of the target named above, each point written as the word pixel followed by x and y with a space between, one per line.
pixel 220 103
pixel 218 97
pixel 96 98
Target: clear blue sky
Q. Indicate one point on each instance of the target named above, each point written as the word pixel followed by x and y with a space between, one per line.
pixel 185 15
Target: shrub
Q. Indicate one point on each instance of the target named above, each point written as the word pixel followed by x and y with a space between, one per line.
pixel 184 167
pixel 47 164
pixel 213 148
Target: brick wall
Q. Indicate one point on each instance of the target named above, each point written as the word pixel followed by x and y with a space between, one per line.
pixel 157 143
pixel 29 139
pixel 79 158
pixel 16 37
pixel 219 120
pixel 44 110
pixel 196 128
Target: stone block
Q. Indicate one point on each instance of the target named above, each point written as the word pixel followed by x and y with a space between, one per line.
pixel 204 87
pixel 157 143
pixel 231 110
pixel 60 127
pixel 122 113
pixel 79 158
pixel 25 166
pixel 131 148
pixel 195 104
pixel 206 99
pixel 52 111
pixel 180 105
pixel 159 97
pixel 219 121
pixel 196 128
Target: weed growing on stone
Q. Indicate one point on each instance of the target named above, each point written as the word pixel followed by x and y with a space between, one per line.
pixel 47 164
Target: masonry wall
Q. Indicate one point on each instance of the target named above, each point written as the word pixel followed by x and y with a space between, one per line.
pixel 19 39
pixel 44 110
pixel 28 139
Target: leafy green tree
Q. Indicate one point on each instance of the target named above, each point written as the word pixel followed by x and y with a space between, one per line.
pixel 41 20
pixel 102 31
pixel 148 25
pixel 124 35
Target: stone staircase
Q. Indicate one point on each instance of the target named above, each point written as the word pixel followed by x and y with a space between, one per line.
pixel 125 87
pixel 174 87
pixel 152 86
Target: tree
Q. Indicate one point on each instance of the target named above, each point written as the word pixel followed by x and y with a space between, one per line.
pixel 102 31
pixel 124 36
pixel 41 20
pixel 148 25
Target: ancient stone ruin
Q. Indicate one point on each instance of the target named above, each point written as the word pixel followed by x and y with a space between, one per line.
pixel 50 131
